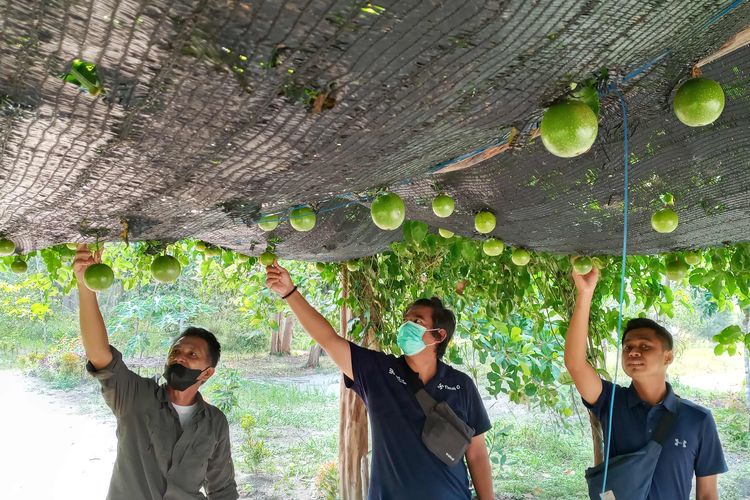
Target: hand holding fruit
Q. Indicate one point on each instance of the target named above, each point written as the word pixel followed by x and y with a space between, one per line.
pixel 278 279
pixel 83 259
pixel 586 283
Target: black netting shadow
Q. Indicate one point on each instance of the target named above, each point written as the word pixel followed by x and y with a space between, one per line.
pixel 211 105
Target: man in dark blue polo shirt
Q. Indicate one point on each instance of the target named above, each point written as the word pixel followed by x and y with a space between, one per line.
pixel 691 448
pixel 402 466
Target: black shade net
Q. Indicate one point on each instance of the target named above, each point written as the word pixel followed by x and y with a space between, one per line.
pixel 215 112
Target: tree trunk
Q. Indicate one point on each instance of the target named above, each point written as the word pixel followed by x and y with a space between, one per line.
pixel 354 466
pixel 286 338
pixel 597 437
pixel 277 334
pixel 746 330
pixel 313 359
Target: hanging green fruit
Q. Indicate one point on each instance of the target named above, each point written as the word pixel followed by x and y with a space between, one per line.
pixel 98 277
pixel 699 102
pixel 485 222
pixel 388 211
pixel 443 205
pixel 569 129
pixel 7 247
pixel 165 269
pixel 303 218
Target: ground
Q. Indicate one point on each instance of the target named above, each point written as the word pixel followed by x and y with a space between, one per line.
pixel 70 434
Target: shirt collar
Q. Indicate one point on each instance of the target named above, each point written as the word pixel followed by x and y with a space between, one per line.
pixel 163 396
pixel 669 402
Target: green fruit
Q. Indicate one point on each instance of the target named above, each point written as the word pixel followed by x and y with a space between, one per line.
pixel 269 222
pixel 677 268
pixel 598 262
pixel 388 211
pixel 664 220
pixel 98 277
pixel 485 222
pixel 443 205
pixel 445 233
pixel 7 247
pixel 415 231
pixel 320 267
pixel 698 102
pixel 583 265
pixel 520 256
pixel 72 246
pixel 352 265
pixel 569 129
pixel 693 258
pixel 242 258
pixel 200 246
pixel 19 266
pixel 165 269
pixel 302 218
pixel 493 247
pixel 267 258
pixel 212 251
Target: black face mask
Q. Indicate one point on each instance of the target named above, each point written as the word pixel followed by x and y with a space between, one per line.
pixel 181 377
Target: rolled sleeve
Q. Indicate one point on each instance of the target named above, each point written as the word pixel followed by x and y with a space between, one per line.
pixel 220 483
pixel 120 386
pixel 710 457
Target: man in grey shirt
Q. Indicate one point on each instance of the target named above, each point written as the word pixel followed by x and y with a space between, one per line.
pixel 171 443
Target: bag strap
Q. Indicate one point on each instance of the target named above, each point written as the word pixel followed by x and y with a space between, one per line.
pixel 426 401
pixel 664 427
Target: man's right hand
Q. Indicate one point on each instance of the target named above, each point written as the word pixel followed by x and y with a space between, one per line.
pixel 586 283
pixel 83 259
pixel 278 279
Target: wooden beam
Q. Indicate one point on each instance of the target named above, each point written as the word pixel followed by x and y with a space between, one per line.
pixel 479 157
pixel 737 41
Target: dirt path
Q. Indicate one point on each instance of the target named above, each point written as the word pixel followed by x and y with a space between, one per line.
pixel 50 449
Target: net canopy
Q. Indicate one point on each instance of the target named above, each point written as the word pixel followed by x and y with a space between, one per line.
pixel 214 112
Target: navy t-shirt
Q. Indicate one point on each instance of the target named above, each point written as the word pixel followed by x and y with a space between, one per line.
pixel 402 466
pixel 693 446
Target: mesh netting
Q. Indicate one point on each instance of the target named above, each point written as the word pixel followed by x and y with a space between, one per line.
pixel 215 112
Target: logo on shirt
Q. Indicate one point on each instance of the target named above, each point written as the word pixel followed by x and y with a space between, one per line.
pixel 677 442
pixel 391 372
pixel 442 386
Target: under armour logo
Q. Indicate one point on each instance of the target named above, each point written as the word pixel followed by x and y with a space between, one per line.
pixel 677 443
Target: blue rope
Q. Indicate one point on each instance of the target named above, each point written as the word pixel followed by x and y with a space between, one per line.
pixel 624 109
pixel 715 18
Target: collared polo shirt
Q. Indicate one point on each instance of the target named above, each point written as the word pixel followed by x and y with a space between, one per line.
pixel 693 446
pixel 156 457
pixel 402 466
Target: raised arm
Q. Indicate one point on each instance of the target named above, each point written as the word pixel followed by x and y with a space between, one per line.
pixel 93 331
pixel 584 376
pixel 312 321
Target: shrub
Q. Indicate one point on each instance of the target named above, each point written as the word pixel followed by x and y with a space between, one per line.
pixel 327 481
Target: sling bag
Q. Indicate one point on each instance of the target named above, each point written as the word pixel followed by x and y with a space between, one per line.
pixel 629 476
pixel 444 433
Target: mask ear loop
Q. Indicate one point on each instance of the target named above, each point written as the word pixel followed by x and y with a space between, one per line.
pixel 439 341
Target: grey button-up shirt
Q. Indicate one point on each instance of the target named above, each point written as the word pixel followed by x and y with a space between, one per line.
pixel 156 458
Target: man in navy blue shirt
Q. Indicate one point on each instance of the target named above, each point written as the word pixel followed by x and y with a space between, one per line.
pixel 692 447
pixel 402 466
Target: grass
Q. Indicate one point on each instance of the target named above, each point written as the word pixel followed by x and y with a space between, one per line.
pixel 543 461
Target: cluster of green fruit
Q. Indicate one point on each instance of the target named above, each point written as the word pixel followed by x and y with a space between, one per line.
pixel 99 276
pixel 569 128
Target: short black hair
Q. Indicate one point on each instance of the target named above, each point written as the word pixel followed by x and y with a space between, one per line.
pixel 214 348
pixel 441 318
pixel 661 332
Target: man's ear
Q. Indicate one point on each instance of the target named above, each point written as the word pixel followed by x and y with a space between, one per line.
pixel 443 334
pixel 206 374
pixel 669 357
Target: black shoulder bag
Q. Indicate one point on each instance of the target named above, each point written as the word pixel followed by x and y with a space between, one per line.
pixel 629 476
pixel 444 433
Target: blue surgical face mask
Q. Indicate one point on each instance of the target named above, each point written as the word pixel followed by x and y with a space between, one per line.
pixel 409 338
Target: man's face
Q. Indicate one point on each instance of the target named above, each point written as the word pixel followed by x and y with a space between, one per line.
pixel 422 315
pixel 192 352
pixel 644 354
